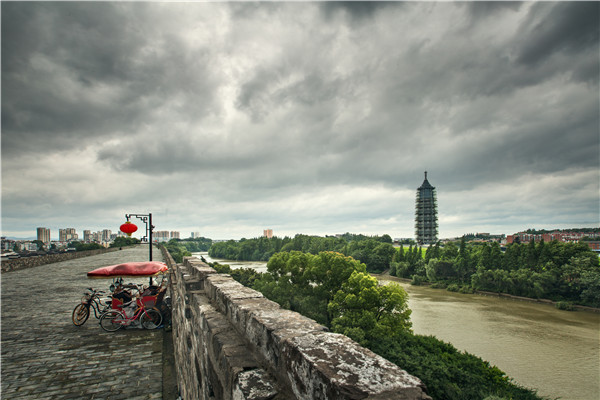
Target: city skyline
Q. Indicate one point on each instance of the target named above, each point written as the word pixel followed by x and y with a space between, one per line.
pixel 228 118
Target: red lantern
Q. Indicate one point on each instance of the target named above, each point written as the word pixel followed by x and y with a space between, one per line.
pixel 128 228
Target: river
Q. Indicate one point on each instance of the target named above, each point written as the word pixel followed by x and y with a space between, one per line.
pixel 553 351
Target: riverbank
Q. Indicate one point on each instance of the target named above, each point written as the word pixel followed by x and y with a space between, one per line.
pixel 576 307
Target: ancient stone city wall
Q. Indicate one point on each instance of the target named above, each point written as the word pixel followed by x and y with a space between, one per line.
pixel 232 343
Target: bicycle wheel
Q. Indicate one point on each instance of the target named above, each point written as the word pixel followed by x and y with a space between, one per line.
pixel 81 313
pixel 151 319
pixel 112 320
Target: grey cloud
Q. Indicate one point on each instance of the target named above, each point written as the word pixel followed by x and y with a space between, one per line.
pixel 356 10
pixel 73 71
pixel 258 109
pixel 570 27
pixel 481 11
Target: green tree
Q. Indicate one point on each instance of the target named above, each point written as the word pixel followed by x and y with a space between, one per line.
pixel 365 311
pixel 439 270
pixel 449 252
pixel 590 281
pixel 122 241
pixel 305 282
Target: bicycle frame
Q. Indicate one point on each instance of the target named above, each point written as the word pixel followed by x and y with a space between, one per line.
pixel 137 314
pixel 96 304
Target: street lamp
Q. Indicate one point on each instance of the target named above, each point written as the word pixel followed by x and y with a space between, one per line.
pixel 146 219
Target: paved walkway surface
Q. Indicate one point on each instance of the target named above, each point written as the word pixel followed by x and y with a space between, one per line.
pixel 44 356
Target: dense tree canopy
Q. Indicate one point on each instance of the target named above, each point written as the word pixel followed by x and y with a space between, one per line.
pixel 81 246
pixel 375 252
pixel 557 271
pixel 365 311
pixel 122 241
pixel 307 282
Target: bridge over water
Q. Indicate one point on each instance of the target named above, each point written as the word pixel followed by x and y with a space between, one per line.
pixel 44 356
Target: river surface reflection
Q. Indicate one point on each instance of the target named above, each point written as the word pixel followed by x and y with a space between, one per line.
pixel 540 347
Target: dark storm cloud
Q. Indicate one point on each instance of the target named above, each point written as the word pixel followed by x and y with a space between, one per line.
pixel 72 71
pixel 483 10
pixel 550 28
pixel 309 112
pixel 356 10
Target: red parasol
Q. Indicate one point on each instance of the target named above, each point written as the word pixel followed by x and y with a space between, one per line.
pixel 133 269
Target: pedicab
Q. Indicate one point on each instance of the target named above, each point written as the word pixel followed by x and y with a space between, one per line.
pixel 126 308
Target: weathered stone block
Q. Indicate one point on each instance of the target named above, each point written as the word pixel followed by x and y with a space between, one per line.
pixel 197 268
pixel 266 329
pixel 240 311
pixel 256 384
pixel 332 366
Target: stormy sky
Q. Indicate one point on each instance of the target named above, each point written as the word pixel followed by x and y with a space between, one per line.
pixel 227 118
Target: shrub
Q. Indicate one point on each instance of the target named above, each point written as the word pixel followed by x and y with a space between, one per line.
pixel 418 280
pixel 453 287
pixel 564 305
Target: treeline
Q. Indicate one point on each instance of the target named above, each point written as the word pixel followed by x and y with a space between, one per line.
pixel 194 245
pixel 337 291
pixel 180 248
pixel 563 272
pixel 376 252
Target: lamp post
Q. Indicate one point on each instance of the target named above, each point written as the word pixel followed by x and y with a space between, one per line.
pixel 146 219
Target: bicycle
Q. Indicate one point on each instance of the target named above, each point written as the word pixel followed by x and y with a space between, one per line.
pixel 81 312
pixel 113 320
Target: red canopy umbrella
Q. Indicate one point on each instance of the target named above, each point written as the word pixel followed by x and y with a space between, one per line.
pixel 132 269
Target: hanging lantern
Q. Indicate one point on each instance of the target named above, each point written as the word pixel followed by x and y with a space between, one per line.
pixel 128 228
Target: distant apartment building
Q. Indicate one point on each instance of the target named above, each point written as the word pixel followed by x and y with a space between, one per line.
pixel 561 236
pixel 195 235
pixel 43 234
pixel 29 246
pixel 106 235
pixel 174 235
pixel 67 234
pixel 160 236
pixel 87 236
pixel 268 233
pixel 7 244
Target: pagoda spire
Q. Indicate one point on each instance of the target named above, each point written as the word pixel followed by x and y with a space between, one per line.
pixel 426 223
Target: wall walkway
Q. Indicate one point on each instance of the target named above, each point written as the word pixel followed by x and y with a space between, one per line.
pixel 44 356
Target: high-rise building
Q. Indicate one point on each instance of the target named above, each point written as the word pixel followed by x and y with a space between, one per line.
pixel 160 236
pixel 426 224
pixel 106 235
pixel 195 235
pixel 174 234
pixel 43 234
pixel 67 234
pixel 268 233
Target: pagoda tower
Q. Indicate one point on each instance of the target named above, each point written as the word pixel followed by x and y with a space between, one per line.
pixel 426 225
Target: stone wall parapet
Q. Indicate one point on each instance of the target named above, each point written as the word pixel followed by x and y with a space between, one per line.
pixel 30 262
pixel 233 343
